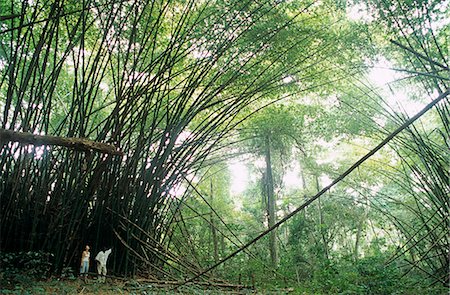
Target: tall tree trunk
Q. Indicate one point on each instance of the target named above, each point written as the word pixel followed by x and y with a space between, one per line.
pixel 213 228
pixel 270 205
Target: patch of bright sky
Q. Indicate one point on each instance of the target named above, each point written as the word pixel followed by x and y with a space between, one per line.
pixel 442 7
pixel 324 180
pixel 37 151
pixel 200 54
pixel 104 86
pixel 382 76
pixel 177 190
pixel 291 178
pixel 182 137
pixel 359 12
pixel 239 176
pixel 288 79
pixel 2 64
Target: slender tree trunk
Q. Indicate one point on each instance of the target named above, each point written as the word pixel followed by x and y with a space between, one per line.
pixel 360 229
pixel 213 229
pixel 271 205
pixel 321 222
pixel 302 174
pixel 222 245
pixel 358 237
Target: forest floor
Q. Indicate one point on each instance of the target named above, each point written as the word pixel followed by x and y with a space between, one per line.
pixel 115 286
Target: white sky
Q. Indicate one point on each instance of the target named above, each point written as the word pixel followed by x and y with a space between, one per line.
pixel 359 12
pixel 292 179
pixel 382 76
pixel 239 176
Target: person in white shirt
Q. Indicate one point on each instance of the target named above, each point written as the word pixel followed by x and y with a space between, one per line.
pixel 102 258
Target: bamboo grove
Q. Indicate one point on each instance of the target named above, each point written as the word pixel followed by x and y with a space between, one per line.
pixel 161 86
pixel 162 81
pixel 424 153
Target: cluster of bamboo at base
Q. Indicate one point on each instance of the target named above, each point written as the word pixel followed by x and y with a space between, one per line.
pixel 125 74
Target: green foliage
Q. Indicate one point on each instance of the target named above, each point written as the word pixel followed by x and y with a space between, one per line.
pixel 278 123
pixel 21 267
pixel 369 275
pixel 68 273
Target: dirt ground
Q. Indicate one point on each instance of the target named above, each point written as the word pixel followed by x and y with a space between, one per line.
pixel 111 286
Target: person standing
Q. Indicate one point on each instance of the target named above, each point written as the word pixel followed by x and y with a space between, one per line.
pixel 102 258
pixel 84 267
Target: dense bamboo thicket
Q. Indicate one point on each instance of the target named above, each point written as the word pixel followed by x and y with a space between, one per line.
pixel 424 147
pixel 424 152
pixel 161 81
pixel 426 178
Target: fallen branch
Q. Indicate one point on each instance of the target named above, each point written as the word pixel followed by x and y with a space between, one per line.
pixel 81 144
pixel 212 284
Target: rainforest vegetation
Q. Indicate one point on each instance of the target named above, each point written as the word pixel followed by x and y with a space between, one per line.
pixel 296 146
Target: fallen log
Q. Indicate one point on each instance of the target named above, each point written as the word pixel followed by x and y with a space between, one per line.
pixel 212 284
pixel 76 143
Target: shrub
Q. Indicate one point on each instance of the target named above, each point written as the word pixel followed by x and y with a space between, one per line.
pixel 18 268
